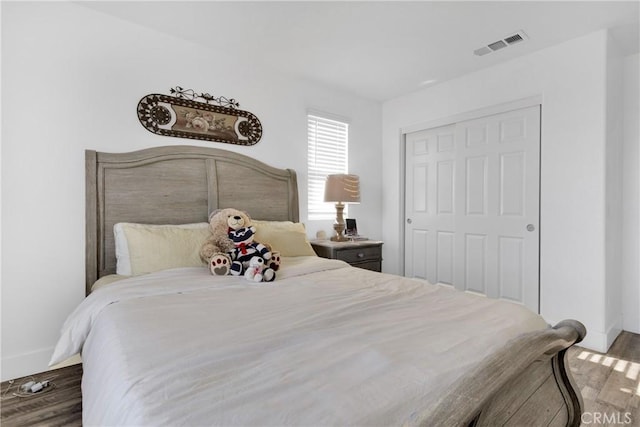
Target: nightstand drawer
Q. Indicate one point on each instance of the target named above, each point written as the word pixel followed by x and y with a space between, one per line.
pixel 359 254
pixel 364 254
pixel 369 265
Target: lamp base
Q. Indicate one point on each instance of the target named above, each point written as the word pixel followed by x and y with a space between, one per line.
pixel 339 226
pixel 339 236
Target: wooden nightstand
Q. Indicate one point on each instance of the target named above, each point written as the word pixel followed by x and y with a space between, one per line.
pixel 362 253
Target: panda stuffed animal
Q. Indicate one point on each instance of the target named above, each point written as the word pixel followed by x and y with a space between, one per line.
pixel 257 271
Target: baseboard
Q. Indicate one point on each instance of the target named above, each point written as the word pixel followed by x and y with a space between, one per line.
pixel 601 341
pixel 613 331
pixel 73 360
pixel 631 326
pixel 595 341
pixel 26 364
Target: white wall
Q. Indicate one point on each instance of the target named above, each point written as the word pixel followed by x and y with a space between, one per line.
pixel 71 80
pixel 613 186
pixel 571 79
pixel 631 194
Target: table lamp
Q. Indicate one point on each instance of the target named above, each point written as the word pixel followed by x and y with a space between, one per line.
pixel 341 188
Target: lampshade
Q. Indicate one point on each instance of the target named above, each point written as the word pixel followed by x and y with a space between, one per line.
pixel 343 188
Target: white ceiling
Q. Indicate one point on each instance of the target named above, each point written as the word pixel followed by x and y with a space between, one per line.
pixel 378 50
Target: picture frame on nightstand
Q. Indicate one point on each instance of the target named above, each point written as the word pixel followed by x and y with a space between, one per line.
pixel 352 228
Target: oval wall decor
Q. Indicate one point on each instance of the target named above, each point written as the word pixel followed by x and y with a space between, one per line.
pixel 182 116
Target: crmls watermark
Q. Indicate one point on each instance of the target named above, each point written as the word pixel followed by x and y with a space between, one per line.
pixel 609 418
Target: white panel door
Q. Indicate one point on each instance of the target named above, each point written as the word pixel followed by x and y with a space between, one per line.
pixel 472 205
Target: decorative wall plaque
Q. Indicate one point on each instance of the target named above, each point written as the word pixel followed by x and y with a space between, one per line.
pixel 183 115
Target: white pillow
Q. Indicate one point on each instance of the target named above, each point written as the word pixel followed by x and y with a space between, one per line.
pixel 145 248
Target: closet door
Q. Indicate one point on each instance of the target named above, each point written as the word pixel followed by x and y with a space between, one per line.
pixel 472 205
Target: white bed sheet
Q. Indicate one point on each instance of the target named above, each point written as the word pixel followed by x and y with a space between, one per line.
pixel 325 344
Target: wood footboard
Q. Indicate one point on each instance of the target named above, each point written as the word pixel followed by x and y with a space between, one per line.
pixel 527 383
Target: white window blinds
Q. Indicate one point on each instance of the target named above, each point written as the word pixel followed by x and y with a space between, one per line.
pixel 327 144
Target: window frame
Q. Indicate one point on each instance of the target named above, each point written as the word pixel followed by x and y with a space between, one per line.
pixel 319 166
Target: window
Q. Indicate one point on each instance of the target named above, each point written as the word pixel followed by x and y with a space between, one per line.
pixel 328 142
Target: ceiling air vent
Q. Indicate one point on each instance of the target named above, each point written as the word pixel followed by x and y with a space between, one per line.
pixel 514 39
pixel 497 45
pixel 500 44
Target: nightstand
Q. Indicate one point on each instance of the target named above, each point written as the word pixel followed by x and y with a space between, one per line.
pixel 360 253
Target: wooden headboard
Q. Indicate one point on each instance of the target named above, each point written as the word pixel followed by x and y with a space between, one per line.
pixel 176 185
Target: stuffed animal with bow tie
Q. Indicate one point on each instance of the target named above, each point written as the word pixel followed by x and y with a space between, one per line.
pixel 246 248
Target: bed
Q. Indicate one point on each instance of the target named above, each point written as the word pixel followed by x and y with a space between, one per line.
pixel 324 344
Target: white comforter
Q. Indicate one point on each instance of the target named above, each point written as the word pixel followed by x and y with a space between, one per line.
pixel 325 344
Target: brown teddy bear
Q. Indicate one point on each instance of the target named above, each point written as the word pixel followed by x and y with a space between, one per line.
pixel 216 249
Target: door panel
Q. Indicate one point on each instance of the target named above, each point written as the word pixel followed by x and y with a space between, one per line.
pixel 475 262
pixel 476 188
pixel 444 182
pixel 445 257
pixel 419 246
pixel 512 179
pixel 511 268
pixel 472 188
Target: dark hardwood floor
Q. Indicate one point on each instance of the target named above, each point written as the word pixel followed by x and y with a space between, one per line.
pixel 609 383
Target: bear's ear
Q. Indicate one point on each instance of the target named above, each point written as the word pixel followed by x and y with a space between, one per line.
pixel 247 214
pixel 212 214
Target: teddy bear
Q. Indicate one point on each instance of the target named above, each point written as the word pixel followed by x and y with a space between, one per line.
pixel 216 249
pixel 246 249
pixel 230 246
pixel 257 271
